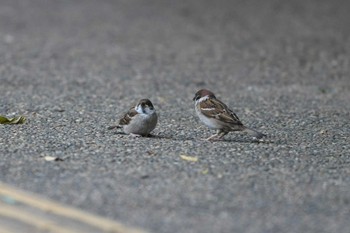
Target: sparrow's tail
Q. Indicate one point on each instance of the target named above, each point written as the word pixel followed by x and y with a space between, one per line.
pixel 114 126
pixel 255 133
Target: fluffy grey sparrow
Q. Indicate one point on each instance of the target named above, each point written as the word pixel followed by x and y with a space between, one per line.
pixel 140 120
pixel 216 115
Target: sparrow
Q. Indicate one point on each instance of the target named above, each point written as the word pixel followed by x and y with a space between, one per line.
pixel 140 120
pixel 216 115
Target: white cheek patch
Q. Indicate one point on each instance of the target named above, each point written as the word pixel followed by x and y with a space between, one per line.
pixel 145 110
pixel 202 99
pixel 138 109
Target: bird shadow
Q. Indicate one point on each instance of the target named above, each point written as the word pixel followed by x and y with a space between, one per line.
pixel 267 140
pixel 246 140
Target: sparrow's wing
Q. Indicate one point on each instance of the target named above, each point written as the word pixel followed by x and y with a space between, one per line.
pixel 127 117
pixel 214 108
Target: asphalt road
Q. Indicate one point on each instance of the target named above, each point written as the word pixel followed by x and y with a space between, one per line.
pixel 74 67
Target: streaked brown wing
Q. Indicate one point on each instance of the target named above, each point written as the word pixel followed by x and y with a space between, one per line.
pixel 214 108
pixel 127 117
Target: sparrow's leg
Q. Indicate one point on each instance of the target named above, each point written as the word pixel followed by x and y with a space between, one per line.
pixel 213 137
pixel 221 134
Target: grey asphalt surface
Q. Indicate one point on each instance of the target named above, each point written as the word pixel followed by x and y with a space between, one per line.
pixel 74 67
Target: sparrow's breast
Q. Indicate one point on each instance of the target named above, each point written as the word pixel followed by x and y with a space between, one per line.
pixel 142 124
pixel 210 122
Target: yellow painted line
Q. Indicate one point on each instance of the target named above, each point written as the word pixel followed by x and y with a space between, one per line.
pixel 30 219
pixel 104 224
pixel 3 230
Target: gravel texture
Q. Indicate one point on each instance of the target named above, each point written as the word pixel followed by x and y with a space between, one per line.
pixel 74 67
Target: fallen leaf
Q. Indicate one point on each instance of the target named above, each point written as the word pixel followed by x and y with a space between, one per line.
pixel 161 99
pixel 205 171
pixel 51 158
pixel 14 120
pixel 189 158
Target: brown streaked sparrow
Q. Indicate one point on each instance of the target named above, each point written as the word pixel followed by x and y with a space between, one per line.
pixel 140 120
pixel 216 115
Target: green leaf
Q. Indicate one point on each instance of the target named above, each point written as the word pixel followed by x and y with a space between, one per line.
pixel 11 121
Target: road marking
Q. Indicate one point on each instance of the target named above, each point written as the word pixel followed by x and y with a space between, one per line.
pixel 3 230
pixel 21 213
pixel 27 218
